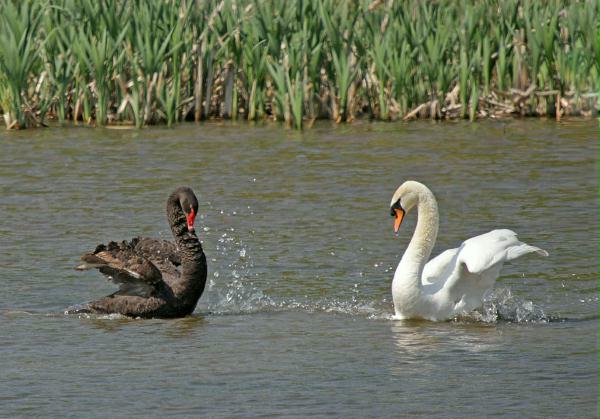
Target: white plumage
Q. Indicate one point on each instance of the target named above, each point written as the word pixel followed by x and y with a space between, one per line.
pixel 455 281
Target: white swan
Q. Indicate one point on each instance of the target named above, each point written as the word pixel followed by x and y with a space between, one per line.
pixel 455 281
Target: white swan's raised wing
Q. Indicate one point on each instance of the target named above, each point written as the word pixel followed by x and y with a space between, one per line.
pixel 479 259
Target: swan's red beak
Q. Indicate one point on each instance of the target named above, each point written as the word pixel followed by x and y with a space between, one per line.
pixel 190 220
pixel 398 220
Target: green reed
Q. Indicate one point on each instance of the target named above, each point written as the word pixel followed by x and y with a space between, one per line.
pixel 19 60
pixel 160 62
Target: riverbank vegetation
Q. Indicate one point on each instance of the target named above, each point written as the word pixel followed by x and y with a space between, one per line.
pixel 159 62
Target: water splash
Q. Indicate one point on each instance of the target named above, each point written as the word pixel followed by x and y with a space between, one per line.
pixel 81 312
pixel 235 298
pixel 500 305
pixel 258 302
pixel 231 288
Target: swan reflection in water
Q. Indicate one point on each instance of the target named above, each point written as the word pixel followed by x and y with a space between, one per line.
pixel 420 341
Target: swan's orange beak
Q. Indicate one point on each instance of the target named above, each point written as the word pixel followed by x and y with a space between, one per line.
pixel 190 220
pixel 398 220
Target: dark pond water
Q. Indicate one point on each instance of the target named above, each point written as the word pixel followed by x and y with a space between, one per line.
pixel 296 319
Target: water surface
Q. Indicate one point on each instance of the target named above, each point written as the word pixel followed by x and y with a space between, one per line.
pixel 295 321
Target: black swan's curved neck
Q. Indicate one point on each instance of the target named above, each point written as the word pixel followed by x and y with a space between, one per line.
pixel 187 242
pixel 190 284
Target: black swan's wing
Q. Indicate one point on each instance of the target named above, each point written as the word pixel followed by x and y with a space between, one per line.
pixel 157 249
pixel 163 254
pixel 120 262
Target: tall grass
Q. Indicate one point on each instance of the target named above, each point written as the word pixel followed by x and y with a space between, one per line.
pixel 160 62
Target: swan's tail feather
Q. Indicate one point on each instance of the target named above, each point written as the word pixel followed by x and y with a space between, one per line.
pixel 523 249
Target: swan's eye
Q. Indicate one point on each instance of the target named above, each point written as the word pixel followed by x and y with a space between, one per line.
pixel 395 207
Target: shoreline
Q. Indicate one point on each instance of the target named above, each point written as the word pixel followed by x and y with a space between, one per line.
pixel 54 123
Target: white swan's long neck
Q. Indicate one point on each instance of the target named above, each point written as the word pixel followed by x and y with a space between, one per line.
pixel 421 244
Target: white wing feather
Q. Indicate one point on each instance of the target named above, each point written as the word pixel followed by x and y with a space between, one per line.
pixel 480 258
pixel 439 267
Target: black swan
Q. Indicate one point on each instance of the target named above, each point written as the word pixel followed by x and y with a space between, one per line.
pixel 156 278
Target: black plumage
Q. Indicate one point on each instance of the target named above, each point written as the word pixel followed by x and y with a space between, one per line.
pixel 156 278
